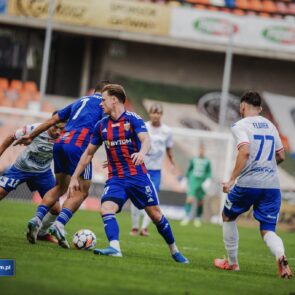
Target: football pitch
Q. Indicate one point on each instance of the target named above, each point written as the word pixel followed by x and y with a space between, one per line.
pixel 146 267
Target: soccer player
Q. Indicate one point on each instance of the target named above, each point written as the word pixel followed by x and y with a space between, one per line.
pixel 81 116
pixel 198 172
pixel 126 141
pixel 33 167
pixel 161 144
pixel 259 151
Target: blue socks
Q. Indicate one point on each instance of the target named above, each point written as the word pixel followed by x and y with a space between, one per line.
pixel 42 210
pixel 64 216
pixel 111 227
pixel 165 231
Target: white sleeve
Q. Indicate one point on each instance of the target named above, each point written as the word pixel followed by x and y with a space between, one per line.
pixel 169 139
pixel 240 135
pixel 28 129
pixel 278 142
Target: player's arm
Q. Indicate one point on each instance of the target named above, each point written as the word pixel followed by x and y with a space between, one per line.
pixel 7 142
pixel 27 139
pixel 280 156
pixel 138 157
pixel 85 159
pixel 170 156
pixel 241 161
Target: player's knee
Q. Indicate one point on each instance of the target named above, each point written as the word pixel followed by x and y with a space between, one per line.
pixel 226 218
pixel 108 207
pixel 155 215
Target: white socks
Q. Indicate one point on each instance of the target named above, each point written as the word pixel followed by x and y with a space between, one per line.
pixel 146 220
pixel 173 248
pixel 274 243
pixel 135 216
pixel 46 223
pixel 115 244
pixel 231 241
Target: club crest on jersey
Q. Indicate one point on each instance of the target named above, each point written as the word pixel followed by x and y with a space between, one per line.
pixel 127 126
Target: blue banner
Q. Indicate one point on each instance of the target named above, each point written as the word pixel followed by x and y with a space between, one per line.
pixel 7 267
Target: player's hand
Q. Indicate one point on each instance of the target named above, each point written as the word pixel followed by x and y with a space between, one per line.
pixel 25 140
pixel 73 186
pixel 105 164
pixel 137 158
pixel 226 186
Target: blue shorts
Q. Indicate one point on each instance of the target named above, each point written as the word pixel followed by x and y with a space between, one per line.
pixel 66 158
pixel 266 205
pixel 155 176
pixel 138 188
pixel 40 182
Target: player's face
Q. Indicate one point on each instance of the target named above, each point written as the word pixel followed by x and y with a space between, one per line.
pixel 107 102
pixel 56 130
pixel 155 118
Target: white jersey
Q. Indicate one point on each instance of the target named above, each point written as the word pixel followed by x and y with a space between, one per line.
pixel 38 155
pixel 161 139
pixel 264 141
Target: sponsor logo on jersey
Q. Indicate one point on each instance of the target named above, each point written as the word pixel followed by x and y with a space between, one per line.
pixel 116 125
pixel 118 142
pixel 105 130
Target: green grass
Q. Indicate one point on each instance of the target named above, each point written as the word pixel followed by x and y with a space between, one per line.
pixel 146 267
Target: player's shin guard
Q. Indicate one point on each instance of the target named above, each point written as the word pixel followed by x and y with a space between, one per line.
pixel 274 243
pixel 111 229
pixel 42 210
pixel 231 241
pixel 64 216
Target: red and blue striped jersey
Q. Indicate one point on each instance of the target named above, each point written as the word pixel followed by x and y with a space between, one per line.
pixel 81 116
pixel 120 138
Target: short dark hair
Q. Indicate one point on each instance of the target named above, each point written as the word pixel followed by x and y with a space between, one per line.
pixel 99 86
pixel 252 97
pixel 115 90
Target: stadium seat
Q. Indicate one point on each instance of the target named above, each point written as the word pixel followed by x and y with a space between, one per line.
pixel 269 6
pixel 242 4
pixel 291 8
pixel 16 85
pixel 4 84
pixel 255 5
pixel 281 7
pixel 30 86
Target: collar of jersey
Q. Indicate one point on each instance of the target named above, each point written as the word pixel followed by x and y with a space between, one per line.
pixel 119 117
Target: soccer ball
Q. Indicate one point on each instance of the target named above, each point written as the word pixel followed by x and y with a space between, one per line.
pixel 84 239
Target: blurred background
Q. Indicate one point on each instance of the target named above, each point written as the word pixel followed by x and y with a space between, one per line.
pixel 194 56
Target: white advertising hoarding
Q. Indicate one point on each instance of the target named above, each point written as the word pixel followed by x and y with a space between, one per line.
pixel 249 31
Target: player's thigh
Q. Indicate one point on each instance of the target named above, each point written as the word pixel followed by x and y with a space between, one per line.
pixel 141 191
pixel 114 191
pixel 42 182
pixel 239 200
pixel 200 194
pixel 267 208
pixel 62 182
pixel 12 178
